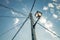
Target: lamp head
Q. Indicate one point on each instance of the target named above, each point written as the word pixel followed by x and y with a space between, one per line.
pixel 38 14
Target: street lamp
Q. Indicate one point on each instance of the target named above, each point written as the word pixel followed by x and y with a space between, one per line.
pixel 38 15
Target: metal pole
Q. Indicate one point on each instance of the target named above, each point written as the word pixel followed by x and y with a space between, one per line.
pixel 32 29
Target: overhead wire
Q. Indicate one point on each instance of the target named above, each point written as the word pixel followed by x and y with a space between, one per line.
pixel 14 17
pixel 33 6
pixel 12 9
pixel 24 21
pixel 13 28
pixel 20 28
pixel 49 30
pixel 8 30
pixel 11 17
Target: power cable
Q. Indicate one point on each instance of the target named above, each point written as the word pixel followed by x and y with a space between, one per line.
pixel 24 21
pixel 8 30
pixel 12 9
pixel 11 17
pixel 32 6
pixel 49 30
pixel 20 28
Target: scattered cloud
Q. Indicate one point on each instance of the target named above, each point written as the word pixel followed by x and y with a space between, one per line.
pixel 16 20
pixel 55 16
pixel 48 25
pixel 15 13
pixel 45 8
pixel 12 12
pixel 58 6
pixel 50 5
pixel 42 20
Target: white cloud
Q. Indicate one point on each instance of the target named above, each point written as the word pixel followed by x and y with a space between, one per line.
pixel 45 8
pixel 12 12
pixel 15 13
pixel 58 6
pixel 50 5
pixel 16 21
pixel 55 16
pixel 48 25
pixel 42 20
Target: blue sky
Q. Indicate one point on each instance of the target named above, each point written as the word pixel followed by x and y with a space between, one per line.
pixel 50 19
